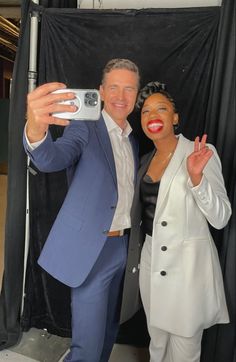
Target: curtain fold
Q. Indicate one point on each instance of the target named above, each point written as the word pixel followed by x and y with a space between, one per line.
pixel 11 293
pixel 219 341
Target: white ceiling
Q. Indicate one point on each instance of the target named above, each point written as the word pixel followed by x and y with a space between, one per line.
pixel 132 3
pixel 11 8
pixel 139 4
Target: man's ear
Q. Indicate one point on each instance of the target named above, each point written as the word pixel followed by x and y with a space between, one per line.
pixel 101 92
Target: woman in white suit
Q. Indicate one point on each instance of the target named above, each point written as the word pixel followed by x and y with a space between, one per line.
pixel 180 190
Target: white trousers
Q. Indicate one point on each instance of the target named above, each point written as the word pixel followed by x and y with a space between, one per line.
pixel 164 346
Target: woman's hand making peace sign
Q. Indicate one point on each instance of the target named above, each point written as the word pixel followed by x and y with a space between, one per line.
pixel 198 159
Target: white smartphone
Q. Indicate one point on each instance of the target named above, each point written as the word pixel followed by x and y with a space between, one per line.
pixel 87 101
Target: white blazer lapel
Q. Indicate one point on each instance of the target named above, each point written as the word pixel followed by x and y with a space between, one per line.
pixel 171 170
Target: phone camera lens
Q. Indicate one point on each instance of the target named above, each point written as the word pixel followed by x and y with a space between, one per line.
pixel 91 99
pixel 94 96
pixel 91 95
pixel 92 103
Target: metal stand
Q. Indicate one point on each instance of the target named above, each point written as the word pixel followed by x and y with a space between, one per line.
pixel 32 82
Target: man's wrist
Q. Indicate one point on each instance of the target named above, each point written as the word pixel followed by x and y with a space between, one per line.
pixel 34 135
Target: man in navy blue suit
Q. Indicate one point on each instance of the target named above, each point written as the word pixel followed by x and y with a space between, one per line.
pixel 87 246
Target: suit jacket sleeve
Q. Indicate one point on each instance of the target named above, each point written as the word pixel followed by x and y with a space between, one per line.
pixel 51 156
pixel 210 195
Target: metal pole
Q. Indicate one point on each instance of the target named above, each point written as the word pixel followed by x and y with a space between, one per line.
pixel 32 73
pixel 32 82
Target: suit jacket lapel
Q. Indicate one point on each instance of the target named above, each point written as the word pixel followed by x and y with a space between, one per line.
pixel 136 206
pixel 144 165
pixel 170 172
pixel 105 143
pixel 134 145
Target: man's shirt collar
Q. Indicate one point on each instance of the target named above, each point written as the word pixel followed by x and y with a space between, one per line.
pixel 112 125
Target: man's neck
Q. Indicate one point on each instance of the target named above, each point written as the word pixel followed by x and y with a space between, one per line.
pixel 120 123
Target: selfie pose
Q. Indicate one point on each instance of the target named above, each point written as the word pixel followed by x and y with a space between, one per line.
pixel 180 189
pixel 87 246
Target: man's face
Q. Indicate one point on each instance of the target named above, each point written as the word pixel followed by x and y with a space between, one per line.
pixel 119 91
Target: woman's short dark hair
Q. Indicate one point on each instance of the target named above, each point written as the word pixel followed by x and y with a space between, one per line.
pixel 152 88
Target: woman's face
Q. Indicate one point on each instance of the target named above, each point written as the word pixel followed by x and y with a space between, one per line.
pixel 158 117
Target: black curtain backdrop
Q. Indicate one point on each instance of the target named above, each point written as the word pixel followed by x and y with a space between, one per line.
pixel 220 341
pixel 11 293
pixel 192 50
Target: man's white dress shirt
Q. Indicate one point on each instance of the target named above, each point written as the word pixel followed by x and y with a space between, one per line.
pixel 124 163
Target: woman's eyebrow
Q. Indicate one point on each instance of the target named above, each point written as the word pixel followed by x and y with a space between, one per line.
pixel 156 104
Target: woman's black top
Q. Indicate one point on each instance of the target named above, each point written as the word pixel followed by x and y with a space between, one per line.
pixel 148 196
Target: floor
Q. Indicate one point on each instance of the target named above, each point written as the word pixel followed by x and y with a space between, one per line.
pixel 40 346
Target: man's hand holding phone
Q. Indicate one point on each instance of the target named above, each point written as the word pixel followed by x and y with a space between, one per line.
pixel 53 103
pixel 41 104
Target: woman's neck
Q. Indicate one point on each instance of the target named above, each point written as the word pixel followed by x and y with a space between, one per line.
pixel 166 146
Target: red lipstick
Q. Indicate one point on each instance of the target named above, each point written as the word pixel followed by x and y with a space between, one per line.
pixel 155 125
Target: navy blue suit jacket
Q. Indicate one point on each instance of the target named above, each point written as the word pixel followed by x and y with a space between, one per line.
pixel 79 231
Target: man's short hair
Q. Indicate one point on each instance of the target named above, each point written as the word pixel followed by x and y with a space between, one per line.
pixel 119 63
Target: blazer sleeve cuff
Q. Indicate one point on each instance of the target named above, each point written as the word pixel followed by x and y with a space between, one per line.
pixel 200 191
pixel 32 146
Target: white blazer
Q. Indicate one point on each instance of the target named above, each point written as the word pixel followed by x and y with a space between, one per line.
pixel 190 296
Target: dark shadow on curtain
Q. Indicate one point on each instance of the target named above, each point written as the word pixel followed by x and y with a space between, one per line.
pixel 11 294
pixel 58 3
pixel 219 341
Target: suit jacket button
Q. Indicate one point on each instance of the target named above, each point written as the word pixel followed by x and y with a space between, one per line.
pixel 163 273
pixel 164 223
pixel 164 248
pixel 134 270
pixel 105 231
